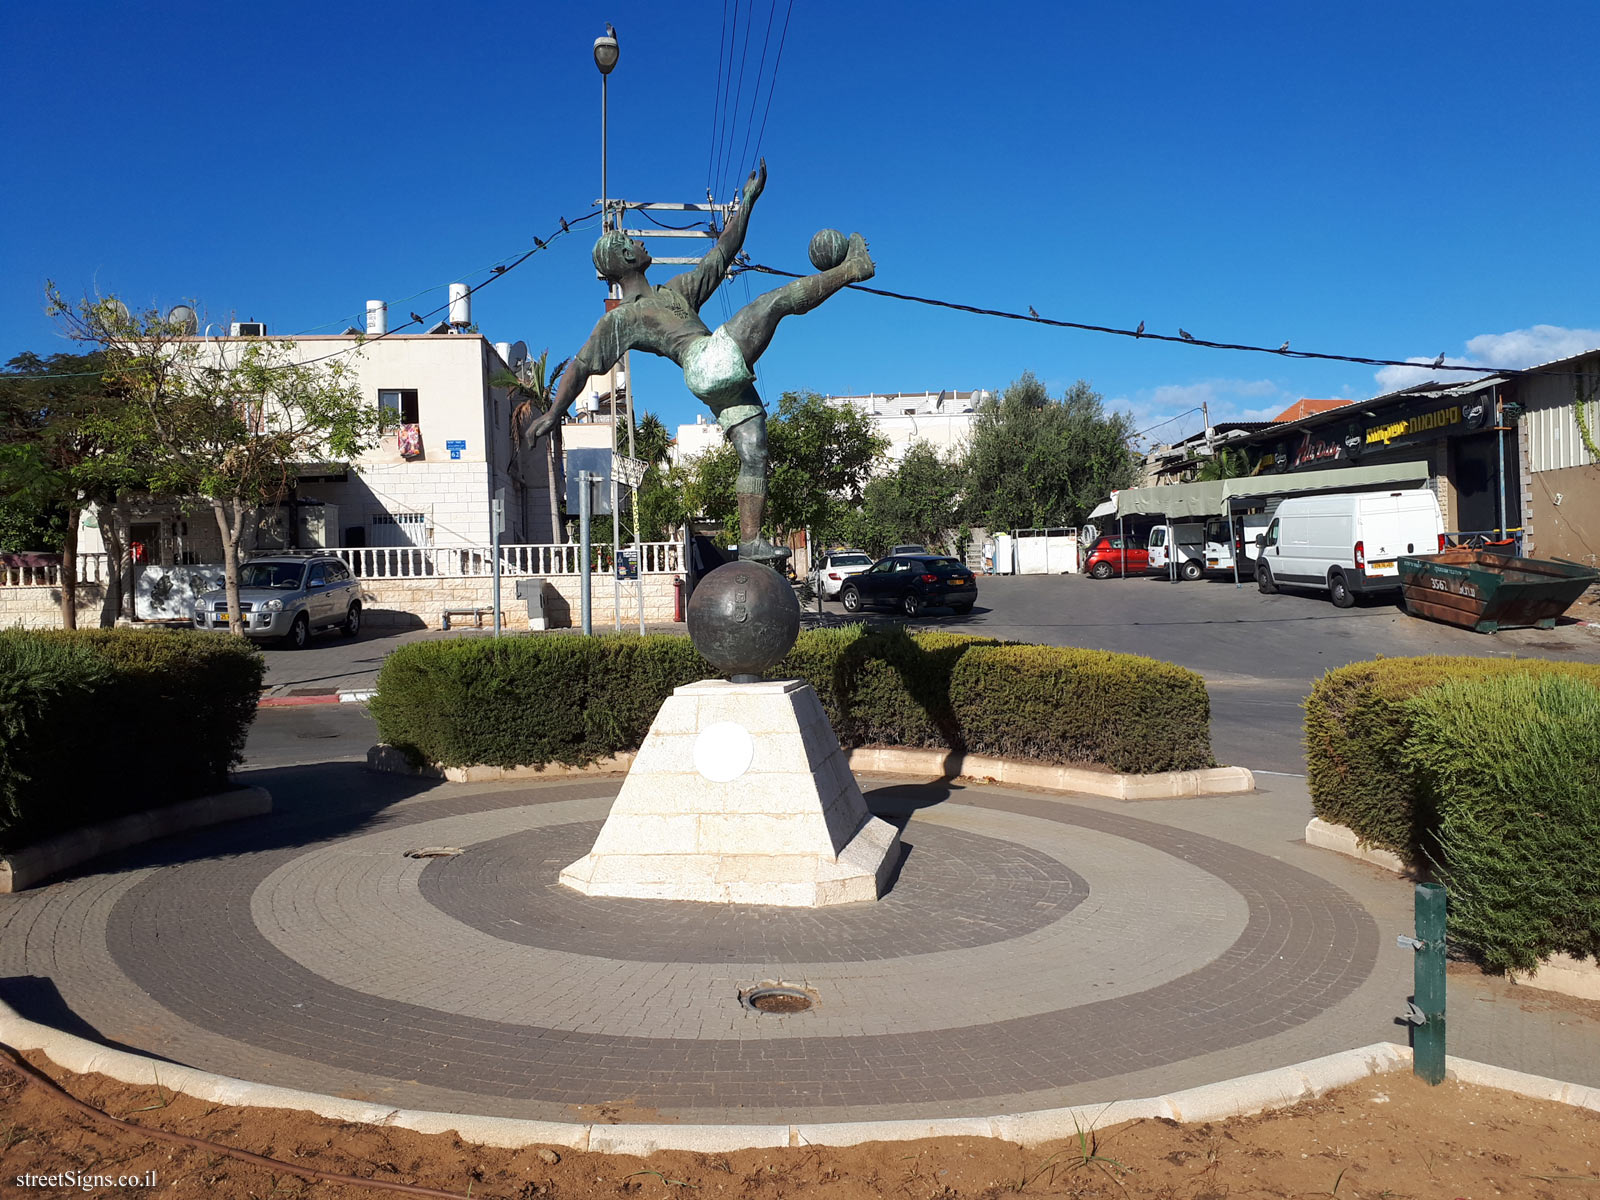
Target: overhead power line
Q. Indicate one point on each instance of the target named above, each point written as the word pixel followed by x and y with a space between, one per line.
pixel 1180 338
pixel 498 272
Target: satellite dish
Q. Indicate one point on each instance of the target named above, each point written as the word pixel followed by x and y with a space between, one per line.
pixel 120 310
pixel 181 316
pixel 519 354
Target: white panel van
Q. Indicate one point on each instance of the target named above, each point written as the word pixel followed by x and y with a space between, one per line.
pixel 1190 539
pixel 1346 543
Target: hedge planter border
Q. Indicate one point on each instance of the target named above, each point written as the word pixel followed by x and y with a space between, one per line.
pixel 1559 973
pixel 890 760
pixel 34 864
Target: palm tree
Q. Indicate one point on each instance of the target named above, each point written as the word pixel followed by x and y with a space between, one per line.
pixel 533 390
pixel 1224 464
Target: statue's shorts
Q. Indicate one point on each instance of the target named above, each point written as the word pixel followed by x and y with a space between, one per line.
pixel 715 371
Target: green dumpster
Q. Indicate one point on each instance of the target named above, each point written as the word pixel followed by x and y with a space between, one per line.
pixel 1485 591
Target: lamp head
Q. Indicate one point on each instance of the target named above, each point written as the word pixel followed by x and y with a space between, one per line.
pixel 605 50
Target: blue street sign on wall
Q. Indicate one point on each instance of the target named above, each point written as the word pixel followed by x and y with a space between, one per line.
pixel 455 448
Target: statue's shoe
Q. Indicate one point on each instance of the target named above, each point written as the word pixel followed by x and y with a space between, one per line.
pixel 764 552
pixel 856 257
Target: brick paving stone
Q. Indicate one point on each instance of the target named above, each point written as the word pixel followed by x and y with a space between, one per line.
pixel 165 949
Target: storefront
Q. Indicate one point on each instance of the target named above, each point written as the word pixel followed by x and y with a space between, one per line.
pixel 1473 460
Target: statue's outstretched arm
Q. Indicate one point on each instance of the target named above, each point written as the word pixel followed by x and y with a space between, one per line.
pixel 603 350
pixel 697 285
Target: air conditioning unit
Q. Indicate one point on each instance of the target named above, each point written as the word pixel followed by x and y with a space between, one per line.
pixel 248 329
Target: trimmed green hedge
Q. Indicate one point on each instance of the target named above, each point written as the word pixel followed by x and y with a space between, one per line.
pixel 1090 706
pixel 99 723
pixel 1357 725
pixel 1510 764
pixel 538 699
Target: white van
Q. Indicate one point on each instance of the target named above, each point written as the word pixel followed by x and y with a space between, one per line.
pixel 1205 547
pixel 1346 543
pixel 1190 539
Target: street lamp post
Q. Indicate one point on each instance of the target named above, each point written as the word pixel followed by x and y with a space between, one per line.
pixel 606 53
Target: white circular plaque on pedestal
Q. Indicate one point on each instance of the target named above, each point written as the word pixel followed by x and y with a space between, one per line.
pixel 724 751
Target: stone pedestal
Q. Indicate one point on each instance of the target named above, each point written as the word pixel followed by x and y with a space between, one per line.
pixel 740 795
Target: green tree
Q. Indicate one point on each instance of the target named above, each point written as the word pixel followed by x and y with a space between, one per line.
pixel 1037 462
pixel 227 423
pixel 821 456
pixel 918 502
pixel 1226 463
pixel 65 443
pixel 531 389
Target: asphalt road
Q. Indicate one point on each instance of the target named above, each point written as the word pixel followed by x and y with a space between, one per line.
pixel 1259 655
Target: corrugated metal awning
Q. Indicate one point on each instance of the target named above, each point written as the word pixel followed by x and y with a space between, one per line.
pixel 1214 498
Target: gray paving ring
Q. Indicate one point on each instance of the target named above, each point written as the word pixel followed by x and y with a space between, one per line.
pixel 223 943
pixel 958 890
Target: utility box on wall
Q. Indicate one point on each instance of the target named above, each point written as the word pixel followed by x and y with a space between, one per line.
pixel 532 590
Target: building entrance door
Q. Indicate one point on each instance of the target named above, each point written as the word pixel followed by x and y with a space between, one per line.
pixel 1475 474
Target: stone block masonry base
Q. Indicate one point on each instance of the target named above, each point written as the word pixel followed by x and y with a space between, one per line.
pixel 410 601
pixel 740 795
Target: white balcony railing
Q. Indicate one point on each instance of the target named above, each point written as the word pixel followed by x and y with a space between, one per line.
pixel 402 562
pixel 44 570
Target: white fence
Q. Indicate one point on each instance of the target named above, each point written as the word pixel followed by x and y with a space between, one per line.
pixel 446 562
pixel 397 562
pixel 44 570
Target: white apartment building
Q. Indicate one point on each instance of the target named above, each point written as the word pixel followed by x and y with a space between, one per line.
pixel 428 484
pixel 942 419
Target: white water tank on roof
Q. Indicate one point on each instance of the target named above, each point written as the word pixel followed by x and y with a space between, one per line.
pixel 460 304
pixel 377 318
pixel 503 349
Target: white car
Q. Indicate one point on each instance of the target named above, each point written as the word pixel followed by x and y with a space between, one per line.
pixel 828 576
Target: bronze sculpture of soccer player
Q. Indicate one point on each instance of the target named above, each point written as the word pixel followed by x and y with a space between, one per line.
pixel 717 366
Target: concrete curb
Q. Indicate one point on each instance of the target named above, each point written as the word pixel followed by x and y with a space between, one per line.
pixel 890 760
pixel 1230 1098
pixel 23 868
pixel 1341 839
pixel 355 696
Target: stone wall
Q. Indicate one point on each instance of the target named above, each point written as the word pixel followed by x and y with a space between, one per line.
pixel 418 603
pixel 403 603
pixel 40 607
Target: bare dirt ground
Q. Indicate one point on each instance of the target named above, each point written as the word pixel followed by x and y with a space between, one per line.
pixel 1390 1136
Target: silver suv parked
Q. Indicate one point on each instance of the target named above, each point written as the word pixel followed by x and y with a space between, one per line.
pixel 288 596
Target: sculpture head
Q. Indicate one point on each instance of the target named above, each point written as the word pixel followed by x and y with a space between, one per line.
pixel 616 255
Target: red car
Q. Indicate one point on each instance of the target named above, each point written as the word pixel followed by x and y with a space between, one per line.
pixel 1108 557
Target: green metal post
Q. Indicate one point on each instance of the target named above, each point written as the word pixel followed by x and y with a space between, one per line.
pixel 1428 982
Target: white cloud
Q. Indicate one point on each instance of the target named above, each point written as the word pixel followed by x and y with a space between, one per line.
pixel 1168 405
pixel 1517 348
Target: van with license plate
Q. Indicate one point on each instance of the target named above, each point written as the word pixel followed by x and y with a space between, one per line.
pixel 1347 543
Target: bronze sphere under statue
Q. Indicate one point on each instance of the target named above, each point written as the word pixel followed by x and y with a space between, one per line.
pixel 743 618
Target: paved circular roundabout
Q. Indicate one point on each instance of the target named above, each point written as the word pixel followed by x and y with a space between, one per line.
pixel 1029 945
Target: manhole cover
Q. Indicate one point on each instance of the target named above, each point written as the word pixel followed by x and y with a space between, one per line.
pixel 776 999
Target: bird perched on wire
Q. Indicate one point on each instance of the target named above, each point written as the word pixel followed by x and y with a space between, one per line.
pixel 499 268
pixel 1185 334
pixel 565 228
pixel 1033 312
pixel 1283 347
pixel 416 318
pixel 537 243
pixel 1139 332
pixel 1439 362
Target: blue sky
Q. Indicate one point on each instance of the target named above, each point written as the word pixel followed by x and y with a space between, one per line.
pixel 1382 180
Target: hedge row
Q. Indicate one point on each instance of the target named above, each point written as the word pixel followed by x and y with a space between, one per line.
pixel 535 699
pixel 1509 766
pixel 1357 727
pixel 99 723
